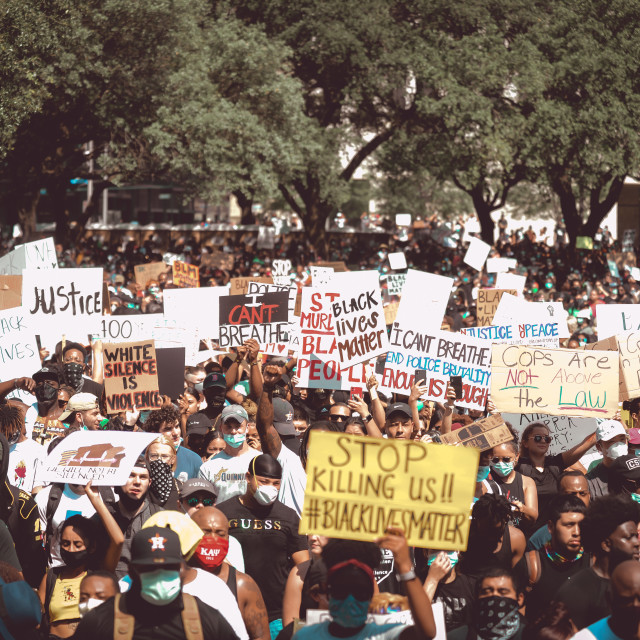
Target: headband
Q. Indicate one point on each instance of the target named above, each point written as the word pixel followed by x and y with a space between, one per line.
pixel 355 563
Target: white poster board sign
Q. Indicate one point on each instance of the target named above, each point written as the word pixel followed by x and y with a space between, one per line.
pixel 477 253
pixel 500 265
pixel 397 261
pixel 40 254
pixel 197 308
pixel 511 281
pixel 18 347
pixel 617 318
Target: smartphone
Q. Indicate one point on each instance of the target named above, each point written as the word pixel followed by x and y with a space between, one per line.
pixel 380 366
pixel 456 383
pixel 356 391
pixel 420 376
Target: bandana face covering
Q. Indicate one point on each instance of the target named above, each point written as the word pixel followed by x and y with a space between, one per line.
pixel 73 374
pixel 161 479
pixel 349 612
pixel 46 393
pixel 497 618
pixel 212 551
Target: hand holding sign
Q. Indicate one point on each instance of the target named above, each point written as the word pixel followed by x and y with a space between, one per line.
pixel 395 541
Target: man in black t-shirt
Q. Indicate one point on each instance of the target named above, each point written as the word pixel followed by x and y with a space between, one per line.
pixel 268 533
pixel 610 532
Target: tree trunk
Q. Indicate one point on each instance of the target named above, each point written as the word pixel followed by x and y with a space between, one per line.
pixel 572 220
pixel 245 203
pixel 483 211
pixel 57 192
pixel 314 217
pixel 598 210
pixel 27 215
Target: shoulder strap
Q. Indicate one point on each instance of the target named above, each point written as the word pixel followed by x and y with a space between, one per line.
pixel 52 504
pixel 534 567
pixel 123 623
pixel 191 618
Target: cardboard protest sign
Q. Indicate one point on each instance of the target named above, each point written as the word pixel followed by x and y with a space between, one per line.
pixel 397 260
pixel 170 371
pixel 195 308
pixel 395 283
pixel 145 273
pixel 40 254
pixel 511 281
pixel 617 318
pixel 260 316
pixel 500 265
pixel 477 253
pixel 240 286
pixel 18 346
pixel 217 260
pixel 339 266
pixel 358 486
pixel 482 434
pixel 131 376
pixel 566 431
pixel 554 381
pixel 423 291
pixel 318 363
pixel 626 345
pixel 358 318
pixel 391 312
pixel 104 457
pixel 487 304
pixel 321 276
pixel 185 275
pixel 10 292
pixel 67 301
pixel 539 334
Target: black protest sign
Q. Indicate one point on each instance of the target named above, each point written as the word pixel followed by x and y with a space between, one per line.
pixel 260 316
pixel 171 371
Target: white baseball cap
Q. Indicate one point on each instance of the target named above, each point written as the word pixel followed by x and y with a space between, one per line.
pixel 609 429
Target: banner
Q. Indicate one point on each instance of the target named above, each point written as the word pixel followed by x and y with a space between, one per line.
pixel 617 318
pixel 554 381
pixel 40 254
pixel 67 301
pixel 149 272
pixel 358 318
pixel 104 457
pixel 359 486
pixel 262 317
pixel 10 292
pixel 131 376
pixel 185 274
pixel 487 304
pixel 318 364
pixel 477 253
pixel 18 346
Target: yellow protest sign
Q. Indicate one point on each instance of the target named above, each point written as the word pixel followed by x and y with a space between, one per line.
pixel 558 382
pixel 358 486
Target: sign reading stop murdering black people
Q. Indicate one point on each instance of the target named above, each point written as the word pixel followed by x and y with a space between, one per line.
pixel 259 316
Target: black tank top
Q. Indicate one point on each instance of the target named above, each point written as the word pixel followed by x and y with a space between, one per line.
pixel 512 491
pixel 475 561
pixel 232 581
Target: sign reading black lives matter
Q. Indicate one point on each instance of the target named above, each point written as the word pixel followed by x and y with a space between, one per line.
pixel 259 316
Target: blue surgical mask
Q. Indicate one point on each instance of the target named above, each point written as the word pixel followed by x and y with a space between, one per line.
pixel 453 557
pixel 503 468
pixel 235 440
pixel 349 613
pixel 160 587
pixel 637 453
pixel 483 473
pixel 635 497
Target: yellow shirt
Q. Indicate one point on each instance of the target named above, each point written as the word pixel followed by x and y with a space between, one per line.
pixel 65 598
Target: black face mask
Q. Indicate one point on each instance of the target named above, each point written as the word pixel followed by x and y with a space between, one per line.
pixel 45 393
pixel 73 374
pixel 129 503
pixel 73 559
pixel 213 398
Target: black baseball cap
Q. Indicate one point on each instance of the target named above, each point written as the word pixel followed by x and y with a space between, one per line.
pixel 47 373
pixel 214 379
pixel 193 485
pixel 283 417
pixel 398 407
pixel 155 545
pixel 624 474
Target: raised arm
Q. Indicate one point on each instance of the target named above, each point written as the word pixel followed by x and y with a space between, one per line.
pixel 447 419
pixel 377 410
pixel 358 404
pixel 97 362
pixel 26 384
pixel 269 437
pixel 116 537
pixel 573 455
pixel 255 374
pixel 416 391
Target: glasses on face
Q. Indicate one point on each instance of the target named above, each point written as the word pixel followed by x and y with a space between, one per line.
pixel 337 418
pixel 546 439
pixel 503 459
pixel 194 501
pixel 165 457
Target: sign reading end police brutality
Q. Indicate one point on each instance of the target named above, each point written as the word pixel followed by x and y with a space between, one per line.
pixel 357 487
pixel 259 316
pixel 554 381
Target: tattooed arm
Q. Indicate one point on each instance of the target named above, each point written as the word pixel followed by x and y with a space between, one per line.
pixel 269 437
pixel 252 608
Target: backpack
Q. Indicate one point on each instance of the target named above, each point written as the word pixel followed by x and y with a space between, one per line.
pixel 124 623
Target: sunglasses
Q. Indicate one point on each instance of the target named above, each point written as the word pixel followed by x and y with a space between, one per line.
pixel 547 439
pixel 194 501
pixel 504 459
pixel 335 418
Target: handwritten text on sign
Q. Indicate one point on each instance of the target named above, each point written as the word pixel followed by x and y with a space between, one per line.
pixel 554 381
pixel 18 347
pixel 185 275
pixel 359 486
pixel 261 317
pixel 488 301
pixel 131 376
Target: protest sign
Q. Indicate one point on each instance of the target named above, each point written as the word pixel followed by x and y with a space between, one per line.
pixel 397 260
pixel 67 301
pixel 185 275
pixel 128 328
pixel 240 286
pixel 539 334
pixel 391 312
pixel 321 276
pixel 566 431
pixel 104 457
pixel 10 292
pixel 339 266
pixel 281 272
pixel 195 308
pixel 613 268
pixel 217 260
pixel 171 371
pixel 477 253
pixel 424 300
pixel 149 272
pixel 131 376
pixel 628 240
pixel 635 273
pixel 359 486
pixel 629 350
pixel 403 219
pixel 358 318
pixel 395 283
pixel 259 316
pixel 18 346
pixel 584 242
pixel 500 265
pixel 266 237
pixel 512 310
pixel 482 434
pixel 318 363
pixel 554 381
pixel 617 318
pixel 511 281
pixel 487 304
pixel 293 328
pixel 40 254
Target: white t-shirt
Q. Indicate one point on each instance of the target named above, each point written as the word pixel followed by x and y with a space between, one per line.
pixel 370 631
pixel 235 556
pixel 24 459
pixel 215 592
pixel 228 474
pixel 30 418
pixel 294 480
pixel 70 504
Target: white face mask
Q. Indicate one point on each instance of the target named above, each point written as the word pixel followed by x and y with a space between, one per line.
pixel 617 449
pixel 85 607
pixel 266 495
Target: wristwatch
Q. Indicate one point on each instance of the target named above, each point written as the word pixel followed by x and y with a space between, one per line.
pixel 368 417
pixel 406 577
